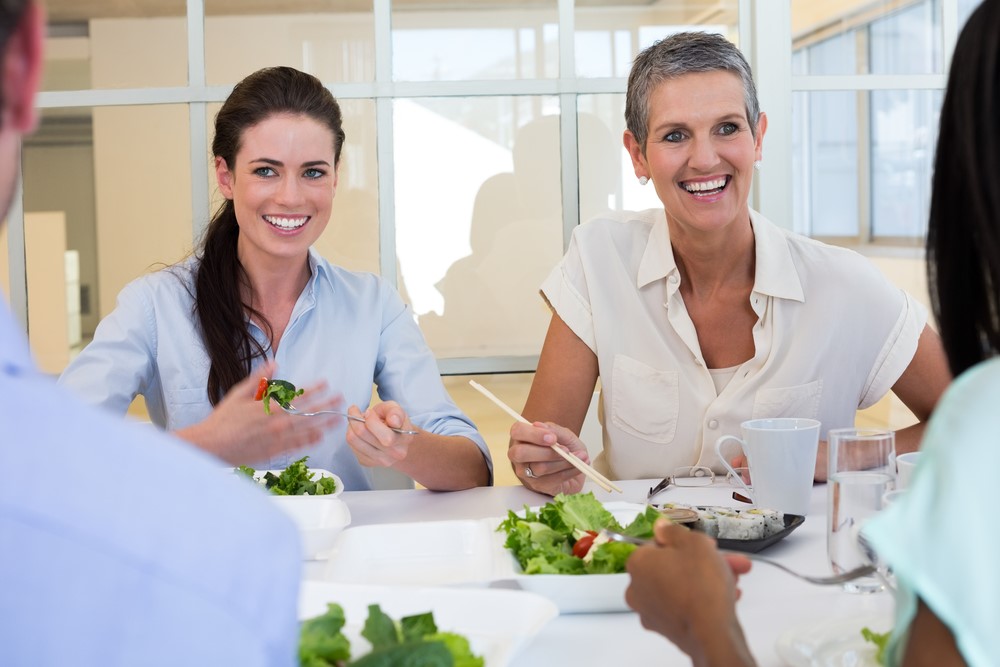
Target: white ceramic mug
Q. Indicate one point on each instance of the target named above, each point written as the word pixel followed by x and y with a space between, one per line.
pixel 905 465
pixel 781 455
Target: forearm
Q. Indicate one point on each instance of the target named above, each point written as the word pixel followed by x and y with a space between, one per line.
pixel 445 462
pixel 722 649
pixel 908 439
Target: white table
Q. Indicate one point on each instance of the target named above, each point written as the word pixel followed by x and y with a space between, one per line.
pixel 772 602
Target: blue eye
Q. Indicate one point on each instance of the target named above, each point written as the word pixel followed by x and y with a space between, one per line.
pixel 264 171
pixel 314 173
pixel 729 128
pixel 674 136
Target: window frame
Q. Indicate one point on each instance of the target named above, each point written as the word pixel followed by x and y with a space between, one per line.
pixel 764 29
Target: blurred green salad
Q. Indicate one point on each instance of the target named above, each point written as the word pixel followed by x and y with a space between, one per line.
pixel 413 640
pixel 563 536
pixel 295 480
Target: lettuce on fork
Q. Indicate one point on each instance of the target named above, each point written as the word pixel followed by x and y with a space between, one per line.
pixel 543 541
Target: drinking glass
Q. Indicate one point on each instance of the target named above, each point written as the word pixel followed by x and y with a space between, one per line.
pixel 859 474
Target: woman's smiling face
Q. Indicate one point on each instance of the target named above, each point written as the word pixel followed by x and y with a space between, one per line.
pixel 700 150
pixel 282 186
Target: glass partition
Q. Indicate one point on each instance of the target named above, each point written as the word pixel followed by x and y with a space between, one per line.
pixel 609 33
pixel 478 219
pixel 475 40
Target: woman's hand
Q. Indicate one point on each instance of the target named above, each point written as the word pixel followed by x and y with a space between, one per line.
pixel 684 589
pixel 374 442
pixel 531 449
pixel 239 432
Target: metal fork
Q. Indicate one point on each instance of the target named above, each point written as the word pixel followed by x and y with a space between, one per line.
pixel 292 410
pixel 857 572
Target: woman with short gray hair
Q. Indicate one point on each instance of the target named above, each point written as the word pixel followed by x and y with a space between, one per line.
pixel 703 314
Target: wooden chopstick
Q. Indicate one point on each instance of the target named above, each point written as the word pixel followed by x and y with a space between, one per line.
pixel 588 471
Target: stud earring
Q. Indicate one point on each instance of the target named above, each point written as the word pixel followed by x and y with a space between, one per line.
pixel 756 165
pixel 643 180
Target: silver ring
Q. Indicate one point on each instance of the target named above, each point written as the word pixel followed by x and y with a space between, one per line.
pixel 528 473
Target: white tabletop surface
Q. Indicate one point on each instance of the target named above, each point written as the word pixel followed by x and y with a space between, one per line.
pixel 772 602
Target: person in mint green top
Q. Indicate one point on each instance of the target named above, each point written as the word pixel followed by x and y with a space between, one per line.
pixel 939 538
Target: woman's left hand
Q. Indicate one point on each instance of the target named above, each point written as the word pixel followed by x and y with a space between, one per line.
pixel 684 589
pixel 374 442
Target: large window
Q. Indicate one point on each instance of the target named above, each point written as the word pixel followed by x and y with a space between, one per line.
pixel 870 82
pixel 478 135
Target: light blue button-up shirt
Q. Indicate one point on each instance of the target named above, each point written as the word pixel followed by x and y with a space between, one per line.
pixel 350 329
pixel 122 546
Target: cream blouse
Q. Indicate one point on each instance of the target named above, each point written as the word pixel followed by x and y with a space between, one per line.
pixel 833 336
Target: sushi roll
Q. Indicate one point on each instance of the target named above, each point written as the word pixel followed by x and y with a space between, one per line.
pixel 735 525
pixel 707 522
pixel 774 521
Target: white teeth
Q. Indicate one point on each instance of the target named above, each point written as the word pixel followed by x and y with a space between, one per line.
pixel 705 185
pixel 286 223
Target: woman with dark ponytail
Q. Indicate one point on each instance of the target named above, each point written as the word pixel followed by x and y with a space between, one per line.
pixel 195 339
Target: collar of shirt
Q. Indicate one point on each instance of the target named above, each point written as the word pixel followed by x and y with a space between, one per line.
pixel 15 356
pixel 776 274
pixel 307 299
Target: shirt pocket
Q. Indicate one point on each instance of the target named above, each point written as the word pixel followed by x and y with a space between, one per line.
pixel 645 402
pixel 798 401
pixel 184 407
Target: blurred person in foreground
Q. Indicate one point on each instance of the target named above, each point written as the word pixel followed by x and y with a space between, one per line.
pixel 120 545
pixel 936 538
pixel 704 314
pixel 194 338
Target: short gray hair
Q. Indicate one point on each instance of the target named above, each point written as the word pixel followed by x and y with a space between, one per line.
pixel 675 56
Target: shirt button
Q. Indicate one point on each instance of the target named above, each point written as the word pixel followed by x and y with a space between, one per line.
pixel 713 423
pixel 674 279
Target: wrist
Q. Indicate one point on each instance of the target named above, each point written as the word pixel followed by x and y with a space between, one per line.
pixel 200 437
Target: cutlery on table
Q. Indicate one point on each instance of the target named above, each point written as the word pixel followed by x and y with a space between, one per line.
pixel 857 572
pixel 292 410
pixel 667 481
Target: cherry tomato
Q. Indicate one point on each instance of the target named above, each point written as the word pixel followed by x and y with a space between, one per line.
pixel 261 388
pixel 582 545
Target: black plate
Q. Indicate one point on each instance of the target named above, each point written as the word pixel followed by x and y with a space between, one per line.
pixel 792 521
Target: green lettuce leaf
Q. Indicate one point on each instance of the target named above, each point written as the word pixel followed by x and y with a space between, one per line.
pixel 295 480
pixel 282 392
pixel 542 541
pixel 881 641
pixel 321 641
pixel 642 524
pixel 412 642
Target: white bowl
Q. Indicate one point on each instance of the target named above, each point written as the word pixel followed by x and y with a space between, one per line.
pixel 905 465
pixel 319 520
